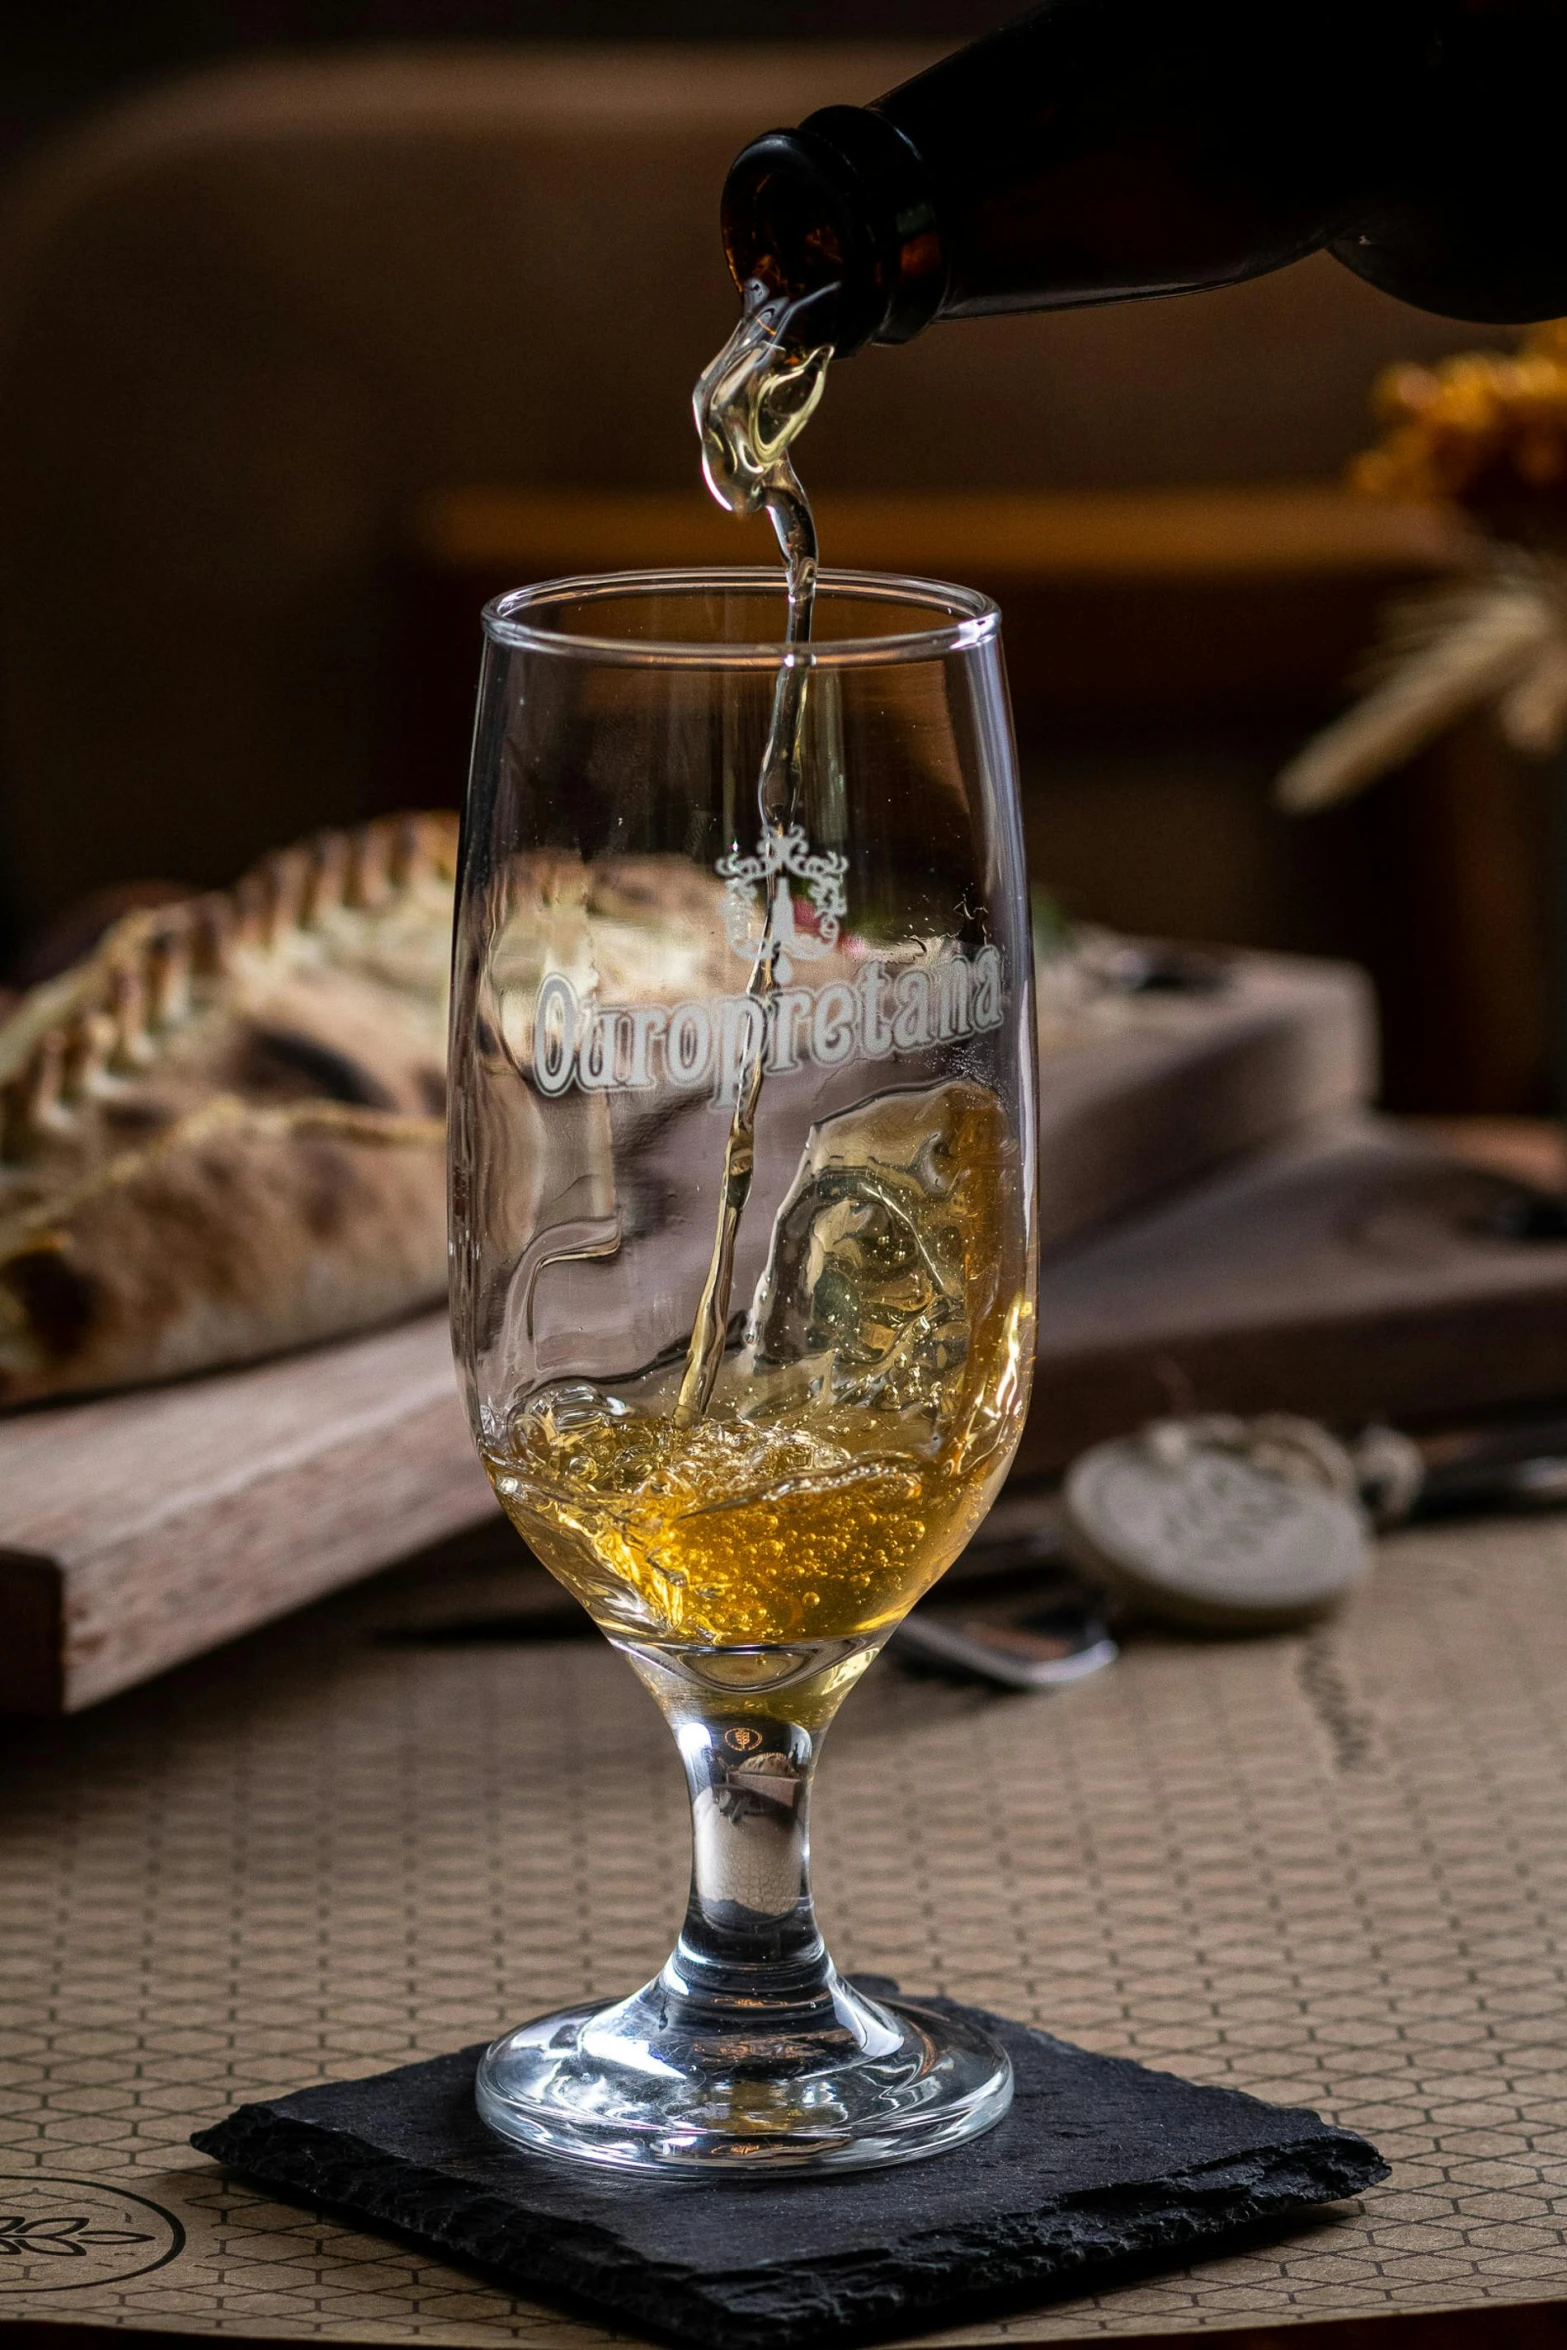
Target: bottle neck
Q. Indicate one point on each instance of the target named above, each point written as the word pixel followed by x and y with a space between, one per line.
pixel 1100 150
pixel 839 217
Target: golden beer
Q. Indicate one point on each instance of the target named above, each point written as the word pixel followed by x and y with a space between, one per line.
pixel 855 1439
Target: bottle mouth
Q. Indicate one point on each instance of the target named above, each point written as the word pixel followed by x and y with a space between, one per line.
pixel 836 218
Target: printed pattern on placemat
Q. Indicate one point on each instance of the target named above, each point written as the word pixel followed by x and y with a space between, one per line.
pixel 1326 1868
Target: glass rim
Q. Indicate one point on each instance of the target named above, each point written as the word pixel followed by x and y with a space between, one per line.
pixel 970 618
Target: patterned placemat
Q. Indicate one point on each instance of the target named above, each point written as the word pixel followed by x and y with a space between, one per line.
pixel 1329 1869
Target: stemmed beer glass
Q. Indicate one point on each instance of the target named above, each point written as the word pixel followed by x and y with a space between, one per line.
pixel 743 1255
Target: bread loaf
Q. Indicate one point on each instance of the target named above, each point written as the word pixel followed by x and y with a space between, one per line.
pixel 222 1133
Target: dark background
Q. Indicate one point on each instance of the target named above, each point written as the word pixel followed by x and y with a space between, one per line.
pixel 53 61
pixel 1147 777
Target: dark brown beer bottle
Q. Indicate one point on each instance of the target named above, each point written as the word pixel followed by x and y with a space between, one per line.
pixel 1099 150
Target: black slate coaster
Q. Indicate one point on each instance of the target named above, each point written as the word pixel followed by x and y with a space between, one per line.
pixel 1099 2162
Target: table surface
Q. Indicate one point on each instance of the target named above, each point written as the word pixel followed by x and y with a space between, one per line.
pixel 1328 1868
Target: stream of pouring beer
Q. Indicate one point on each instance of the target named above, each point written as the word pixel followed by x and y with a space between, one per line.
pixel 750 405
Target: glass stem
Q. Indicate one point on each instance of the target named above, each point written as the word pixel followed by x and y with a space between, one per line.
pixel 750 1948
pixel 750 1961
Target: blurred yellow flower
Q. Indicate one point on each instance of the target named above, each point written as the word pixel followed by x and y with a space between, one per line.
pixel 1486 431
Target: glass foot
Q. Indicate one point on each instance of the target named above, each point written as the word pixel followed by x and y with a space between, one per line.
pixel 633 2086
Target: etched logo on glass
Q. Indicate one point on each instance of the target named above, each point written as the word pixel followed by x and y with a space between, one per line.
pixel 876 1008
pixel 751 884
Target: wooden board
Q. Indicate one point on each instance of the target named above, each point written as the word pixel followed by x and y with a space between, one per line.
pixel 137 1530
pixel 1139 1094
pixel 1257 532
pixel 1167 602
pixel 141 1529
pixel 1352 1272
pixel 1344 1271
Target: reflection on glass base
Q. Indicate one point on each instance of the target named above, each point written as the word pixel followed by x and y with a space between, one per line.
pixel 863 2082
